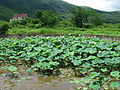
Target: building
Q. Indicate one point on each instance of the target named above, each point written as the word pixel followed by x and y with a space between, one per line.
pixel 19 17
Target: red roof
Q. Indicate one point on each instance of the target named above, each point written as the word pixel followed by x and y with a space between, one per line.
pixel 20 15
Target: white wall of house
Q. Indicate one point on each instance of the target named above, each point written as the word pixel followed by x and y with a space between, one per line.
pixel 17 18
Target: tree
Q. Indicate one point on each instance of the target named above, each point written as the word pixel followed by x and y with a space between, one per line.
pixel 3 27
pixel 48 18
pixel 79 16
pixel 39 14
pixel 85 18
pixel 95 18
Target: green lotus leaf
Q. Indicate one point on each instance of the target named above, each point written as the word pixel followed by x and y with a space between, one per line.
pixel 114 84
pixel 95 86
pixel 103 69
pixel 115 73
pixel 94 74
pixel 12 68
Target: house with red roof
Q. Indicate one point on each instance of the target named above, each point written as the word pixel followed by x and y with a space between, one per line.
pixel 19 16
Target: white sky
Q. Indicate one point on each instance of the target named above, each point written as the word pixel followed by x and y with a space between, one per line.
pixel 105 5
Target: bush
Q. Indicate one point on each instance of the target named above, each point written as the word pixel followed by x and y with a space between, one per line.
pixel 38 25
pixel 31 25
pixel 32 20
pixel 105 25
pixel 19 23
pixel 65 23
pixel 15 23
pixel 3 27
pixel 23 22
pixel 88 25
pixel 118 25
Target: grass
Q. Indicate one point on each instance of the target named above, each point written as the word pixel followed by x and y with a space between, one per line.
pixel 42 31
pixel 103 31
pixel 92 31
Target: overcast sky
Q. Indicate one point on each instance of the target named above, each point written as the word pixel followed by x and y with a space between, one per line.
pixel 105 5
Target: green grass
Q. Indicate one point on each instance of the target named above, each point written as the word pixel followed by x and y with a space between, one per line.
pixel 93 31
pixel 103 31
pixel 41 31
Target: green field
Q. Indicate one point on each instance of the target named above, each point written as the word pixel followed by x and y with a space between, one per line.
pixel 68 30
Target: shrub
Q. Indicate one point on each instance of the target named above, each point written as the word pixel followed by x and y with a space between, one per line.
pixel 15 23
pixel 32 20
pixel 118 25
pixel 87 25
pixel 31 25
pixel 65 23
pixel 3 27
pixel 38 25
pixel 23 22
pixel 19 23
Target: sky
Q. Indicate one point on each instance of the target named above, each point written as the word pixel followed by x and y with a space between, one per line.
pixel 104 5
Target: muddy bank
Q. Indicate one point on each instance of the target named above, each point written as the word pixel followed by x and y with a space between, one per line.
pixel 113 38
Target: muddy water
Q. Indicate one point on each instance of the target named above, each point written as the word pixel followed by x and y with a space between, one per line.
pixel 44 83
pixel 37 82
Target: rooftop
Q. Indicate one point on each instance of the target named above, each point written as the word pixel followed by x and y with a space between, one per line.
pixel 20 15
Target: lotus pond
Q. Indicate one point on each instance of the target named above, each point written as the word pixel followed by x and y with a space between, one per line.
pixel 95 62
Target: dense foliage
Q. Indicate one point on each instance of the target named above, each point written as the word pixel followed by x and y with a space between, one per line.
pixel 95 61
pixel 17 23
pixel 3 27
pixel 80 16
pixel 111 17
pixel 95 18
pixel 48 18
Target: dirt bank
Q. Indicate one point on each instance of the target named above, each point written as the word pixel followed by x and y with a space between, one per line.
pixel 113 38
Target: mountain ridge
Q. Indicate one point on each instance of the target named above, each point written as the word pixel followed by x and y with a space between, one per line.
pixel 30 6
pixel 11 7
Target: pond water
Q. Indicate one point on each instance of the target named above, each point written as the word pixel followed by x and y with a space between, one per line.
pixel 34 81
pixel 37 82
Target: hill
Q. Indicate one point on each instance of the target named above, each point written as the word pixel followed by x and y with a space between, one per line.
pixel 10 7
pixel 111 17
pixel 6 13
pixel 30 6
